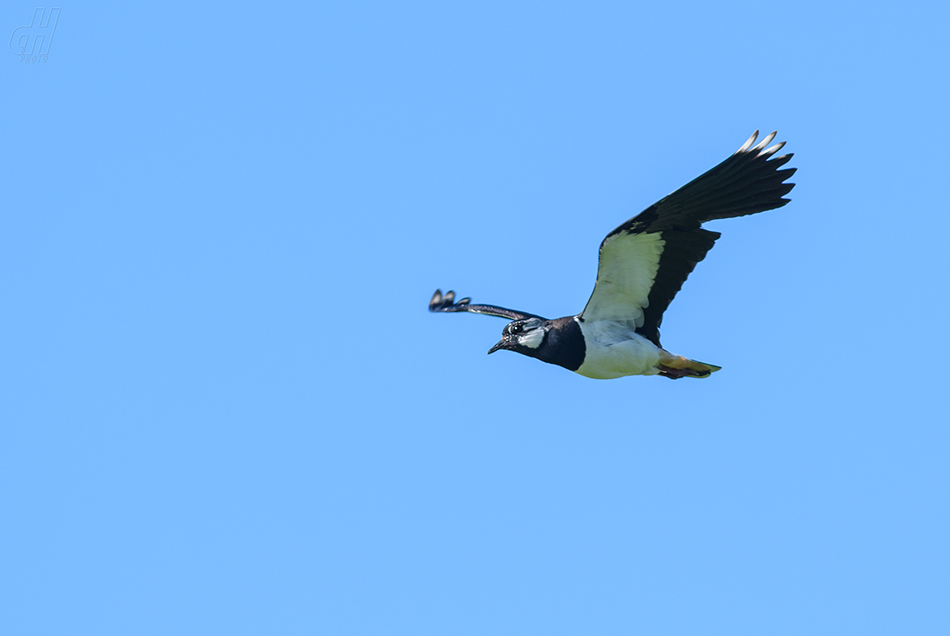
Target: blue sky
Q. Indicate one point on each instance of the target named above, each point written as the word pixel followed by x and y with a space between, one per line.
pixel 226 409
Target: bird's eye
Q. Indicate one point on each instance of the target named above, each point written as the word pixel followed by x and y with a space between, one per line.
pixel 517 329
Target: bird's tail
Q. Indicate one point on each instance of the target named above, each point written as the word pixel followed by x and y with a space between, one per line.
pixel 676 367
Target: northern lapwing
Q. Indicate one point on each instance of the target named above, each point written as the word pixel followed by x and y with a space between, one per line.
pixel 643 263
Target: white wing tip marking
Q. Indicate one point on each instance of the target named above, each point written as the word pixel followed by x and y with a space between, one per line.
pixel 748 144
pixel 764 143
pixel 768 152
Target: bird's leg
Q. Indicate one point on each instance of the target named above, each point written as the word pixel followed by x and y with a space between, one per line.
pixel 673 366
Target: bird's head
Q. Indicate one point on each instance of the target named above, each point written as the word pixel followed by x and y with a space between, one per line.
pixel 524 336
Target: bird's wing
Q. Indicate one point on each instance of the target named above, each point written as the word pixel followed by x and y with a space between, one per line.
pixel 440 303
pixel 644 262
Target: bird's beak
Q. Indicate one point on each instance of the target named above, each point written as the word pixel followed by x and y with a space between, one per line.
pixel 501 345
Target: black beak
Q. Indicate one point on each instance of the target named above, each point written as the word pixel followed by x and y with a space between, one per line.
pixel 501 345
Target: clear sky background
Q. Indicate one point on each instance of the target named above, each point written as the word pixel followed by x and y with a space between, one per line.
pixel 226 410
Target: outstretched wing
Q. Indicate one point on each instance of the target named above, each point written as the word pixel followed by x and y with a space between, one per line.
pixel 645 261
pixel 440 303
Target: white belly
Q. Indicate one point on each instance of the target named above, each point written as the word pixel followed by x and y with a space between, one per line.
pixel 614 350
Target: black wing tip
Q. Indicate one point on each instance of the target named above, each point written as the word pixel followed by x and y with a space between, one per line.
pixel 747 182
pixel 762 155
pixel 440 302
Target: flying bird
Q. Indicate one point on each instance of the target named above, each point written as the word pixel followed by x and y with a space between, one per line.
pixel 643 263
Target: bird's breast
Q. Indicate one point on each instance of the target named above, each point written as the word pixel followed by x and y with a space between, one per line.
pixel 614 350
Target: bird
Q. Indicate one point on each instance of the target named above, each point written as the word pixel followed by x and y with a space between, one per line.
pixel 642 264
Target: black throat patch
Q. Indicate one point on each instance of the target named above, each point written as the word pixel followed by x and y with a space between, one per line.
pixel 563 345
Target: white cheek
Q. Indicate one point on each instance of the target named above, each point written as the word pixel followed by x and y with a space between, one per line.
pixel 532 339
